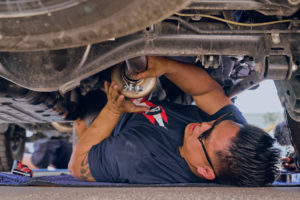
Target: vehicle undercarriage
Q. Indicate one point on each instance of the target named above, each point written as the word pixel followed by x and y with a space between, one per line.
pixel 50 59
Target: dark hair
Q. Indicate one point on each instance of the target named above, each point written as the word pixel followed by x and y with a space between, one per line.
pixel 91 104
pixel 251 160
pixel 282 134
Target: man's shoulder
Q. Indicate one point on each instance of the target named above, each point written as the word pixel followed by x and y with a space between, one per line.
pixel 236 114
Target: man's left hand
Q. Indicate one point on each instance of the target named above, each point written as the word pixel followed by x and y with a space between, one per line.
pixel 117 103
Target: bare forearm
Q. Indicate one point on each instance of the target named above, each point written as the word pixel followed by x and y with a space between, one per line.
pixel 207 93
pixel 99 130
pixel 191 79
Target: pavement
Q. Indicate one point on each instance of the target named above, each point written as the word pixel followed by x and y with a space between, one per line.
pixel 141 193
pixel 123 193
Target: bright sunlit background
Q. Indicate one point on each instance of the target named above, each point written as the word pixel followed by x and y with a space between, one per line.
pixel 262 100
pixel 261 106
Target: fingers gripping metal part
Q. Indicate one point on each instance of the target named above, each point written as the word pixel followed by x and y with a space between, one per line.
pixel 135 66
pixel 125 77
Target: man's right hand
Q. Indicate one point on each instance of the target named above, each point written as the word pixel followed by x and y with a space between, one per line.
pixel 207 93
pixel 157 66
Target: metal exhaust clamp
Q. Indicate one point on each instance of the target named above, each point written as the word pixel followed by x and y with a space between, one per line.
pixel 125 77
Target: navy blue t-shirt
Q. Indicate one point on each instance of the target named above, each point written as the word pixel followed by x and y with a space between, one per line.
pixel 144 147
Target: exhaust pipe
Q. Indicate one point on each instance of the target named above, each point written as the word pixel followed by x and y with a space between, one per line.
pixel 125 77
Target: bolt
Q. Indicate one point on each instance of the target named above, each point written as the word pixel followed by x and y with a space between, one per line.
pixel 130 87
pixel 275 38
pixel 138 88
pixel 210 61
pixel 196 17
pixel 294 67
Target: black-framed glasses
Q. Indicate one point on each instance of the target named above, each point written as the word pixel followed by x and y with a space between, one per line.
pixel 205 134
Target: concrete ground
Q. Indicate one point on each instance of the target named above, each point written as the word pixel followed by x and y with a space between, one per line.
pixel 173 193
pixel 141 193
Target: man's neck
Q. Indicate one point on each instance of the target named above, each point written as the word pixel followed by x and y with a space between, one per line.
pixel 192 168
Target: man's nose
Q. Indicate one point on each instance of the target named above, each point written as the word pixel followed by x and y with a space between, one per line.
pixel 207 124
pixel 201 128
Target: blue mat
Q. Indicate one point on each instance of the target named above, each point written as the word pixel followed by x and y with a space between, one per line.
pixel 69 181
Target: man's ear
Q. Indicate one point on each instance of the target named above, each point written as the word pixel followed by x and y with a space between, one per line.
pixel 206 172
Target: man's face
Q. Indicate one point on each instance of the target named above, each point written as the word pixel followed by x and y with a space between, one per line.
pixel 218 139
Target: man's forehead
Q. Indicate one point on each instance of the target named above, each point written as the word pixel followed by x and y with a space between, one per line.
pixel 226 129
pixel 222 135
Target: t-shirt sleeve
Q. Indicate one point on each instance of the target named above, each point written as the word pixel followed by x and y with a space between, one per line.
pixel 236 114
pixel 101 161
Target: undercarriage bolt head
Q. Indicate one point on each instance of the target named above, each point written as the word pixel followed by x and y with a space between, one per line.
pixel 130 87
pixel 294 67
pixel 275 38
pixel 138 88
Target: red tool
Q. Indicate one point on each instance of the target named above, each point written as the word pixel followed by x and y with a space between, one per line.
pixel 19 169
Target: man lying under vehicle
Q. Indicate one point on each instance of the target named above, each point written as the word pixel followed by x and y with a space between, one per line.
pixel 156 142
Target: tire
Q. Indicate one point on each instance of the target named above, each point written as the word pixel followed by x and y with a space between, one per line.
pixel 12 146
pixel 47 25
pixel 294 127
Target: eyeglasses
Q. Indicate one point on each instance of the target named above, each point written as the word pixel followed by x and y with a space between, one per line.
pixel 205 134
